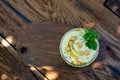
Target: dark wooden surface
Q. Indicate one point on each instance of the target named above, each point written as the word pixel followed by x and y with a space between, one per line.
pixel 18 19
pixel 11 66
pixel 42 43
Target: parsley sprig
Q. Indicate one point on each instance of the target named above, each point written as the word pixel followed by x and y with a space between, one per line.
pixel 90 38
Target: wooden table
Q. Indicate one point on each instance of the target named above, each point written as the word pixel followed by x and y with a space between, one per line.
pixel 42 43
pixel 39 25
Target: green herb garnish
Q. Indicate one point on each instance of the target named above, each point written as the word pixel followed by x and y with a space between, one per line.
pixel 90 37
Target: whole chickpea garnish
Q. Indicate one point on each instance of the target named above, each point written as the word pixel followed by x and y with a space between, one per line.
pixel 87 52
pixel 70 43
pixel 80 53
pixel 73 38
pixel 79 44
pixel 67 49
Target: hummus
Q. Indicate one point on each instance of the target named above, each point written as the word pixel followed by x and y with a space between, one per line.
pixel 74 51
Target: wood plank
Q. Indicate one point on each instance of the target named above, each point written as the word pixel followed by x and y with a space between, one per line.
pixel 19 14
pixel 13 52
pixel 43 52
pixel 9 21
pixel 7 16
pixel 10 63
pixel 75 12
pixel 38 74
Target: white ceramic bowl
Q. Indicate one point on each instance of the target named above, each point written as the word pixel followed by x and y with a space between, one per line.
pixel 84 60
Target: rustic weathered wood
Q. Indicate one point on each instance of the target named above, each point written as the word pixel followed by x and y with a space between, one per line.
pixel 73 12
pixel 15 74
pixel 42 43
pixel 37 73
pixel 11 65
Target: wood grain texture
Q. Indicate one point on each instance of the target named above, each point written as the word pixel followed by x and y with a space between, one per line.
pixel 77 13
pixel 42 43
pixel 11 66
pixel 74 12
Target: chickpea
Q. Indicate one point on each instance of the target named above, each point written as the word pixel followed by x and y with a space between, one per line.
pixel 79 44
pixel 80 53
pixel 67 49
pixel 86 52
pixel 76 61
pixel 73 38
pixel 70 43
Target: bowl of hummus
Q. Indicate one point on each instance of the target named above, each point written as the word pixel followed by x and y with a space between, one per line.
pixel 79 47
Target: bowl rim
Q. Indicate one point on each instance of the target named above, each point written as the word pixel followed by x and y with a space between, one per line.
pixel 73 65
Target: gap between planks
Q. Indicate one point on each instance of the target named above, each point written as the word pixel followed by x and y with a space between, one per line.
pixel 32 68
